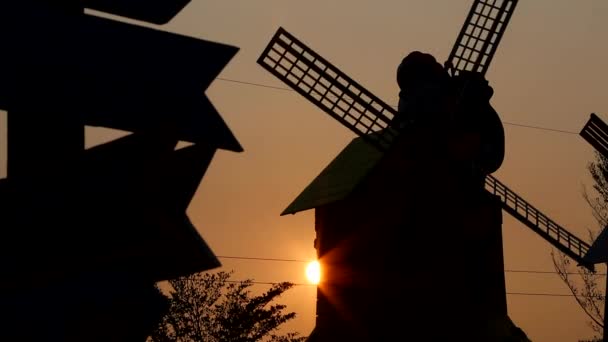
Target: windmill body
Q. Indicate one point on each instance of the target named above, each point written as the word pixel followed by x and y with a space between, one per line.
pixel 401 240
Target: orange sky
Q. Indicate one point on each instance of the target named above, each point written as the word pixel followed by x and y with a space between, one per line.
pixel 549 71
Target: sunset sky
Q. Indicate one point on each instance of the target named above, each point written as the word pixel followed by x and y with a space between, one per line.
pixel 550 71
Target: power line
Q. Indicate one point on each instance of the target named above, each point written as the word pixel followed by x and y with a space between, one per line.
pixel 547 272
pixel 306 261
pixel 509 293
pixel 253 84
pixel 289 89
pixel 269 283
pixel 540 294
pixel 304 284
pixel 541 128
pixel 260 259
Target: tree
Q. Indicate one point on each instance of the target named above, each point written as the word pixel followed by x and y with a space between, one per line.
pixel 587 286
pixel 211 308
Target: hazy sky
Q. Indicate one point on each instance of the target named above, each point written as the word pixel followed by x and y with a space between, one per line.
pixel 549 71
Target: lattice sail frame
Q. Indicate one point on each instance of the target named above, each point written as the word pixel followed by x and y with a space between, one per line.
pixel 527 214
pixel 595 132
pixel 480 35
pixel 330 89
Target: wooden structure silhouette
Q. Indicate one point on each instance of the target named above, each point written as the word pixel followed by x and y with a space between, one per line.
pixel 595 132
pixel 390 206
pixel 88 233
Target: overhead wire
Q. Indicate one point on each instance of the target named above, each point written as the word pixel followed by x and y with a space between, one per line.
pixel 541 294
pixel 289 89
pixel 260 259
pixel 306 261
pixel 253 84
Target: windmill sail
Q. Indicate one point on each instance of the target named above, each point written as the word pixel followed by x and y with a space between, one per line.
pixel 527 214
pixel 480 35
pixel 363 113
pixel 330 89
pixel 595 133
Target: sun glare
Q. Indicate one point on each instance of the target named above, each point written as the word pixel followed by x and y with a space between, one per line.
pixel 313 272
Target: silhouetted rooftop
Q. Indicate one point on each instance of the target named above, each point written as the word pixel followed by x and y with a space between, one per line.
pixel 339 178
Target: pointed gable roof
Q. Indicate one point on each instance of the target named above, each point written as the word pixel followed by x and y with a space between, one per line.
pixel 339 178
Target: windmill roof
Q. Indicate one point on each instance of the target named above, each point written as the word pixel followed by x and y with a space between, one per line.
pixel 598 253
pixel 339 178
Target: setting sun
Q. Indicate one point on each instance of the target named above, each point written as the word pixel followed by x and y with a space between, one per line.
pixel 313 272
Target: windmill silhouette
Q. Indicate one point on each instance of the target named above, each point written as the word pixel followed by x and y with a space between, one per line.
pixel 595 132
pixel 366 157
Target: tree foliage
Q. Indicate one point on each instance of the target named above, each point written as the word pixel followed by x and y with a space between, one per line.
pixel 586 286
pixel 208 307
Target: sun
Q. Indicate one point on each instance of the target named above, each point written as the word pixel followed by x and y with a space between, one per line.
pixel 313 272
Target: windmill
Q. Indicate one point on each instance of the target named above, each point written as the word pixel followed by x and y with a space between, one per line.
pixel 370 118
pixel 595 132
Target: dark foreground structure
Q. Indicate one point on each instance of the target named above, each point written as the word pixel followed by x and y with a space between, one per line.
pixel 86 234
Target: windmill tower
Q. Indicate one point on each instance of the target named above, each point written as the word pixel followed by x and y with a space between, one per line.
pixel 391 206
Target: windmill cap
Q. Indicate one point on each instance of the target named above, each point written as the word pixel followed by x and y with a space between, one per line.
pixel 417 66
